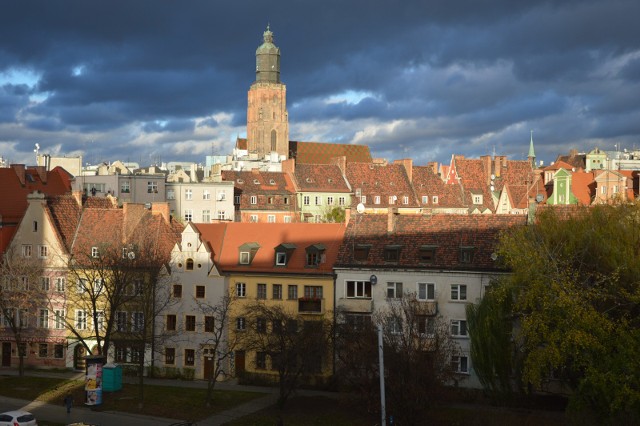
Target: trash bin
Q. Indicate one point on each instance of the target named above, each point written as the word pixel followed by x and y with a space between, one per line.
pixel 111 378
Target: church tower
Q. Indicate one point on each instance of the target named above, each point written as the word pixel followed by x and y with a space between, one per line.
pixel 267 117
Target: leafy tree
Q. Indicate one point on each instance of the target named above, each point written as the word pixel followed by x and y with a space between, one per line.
pixel 21 295
pixel 576 297
pixel 297 347
pixel 335 214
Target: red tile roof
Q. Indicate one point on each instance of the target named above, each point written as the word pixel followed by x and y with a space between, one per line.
pixel 320 178
pixel 383 180
pixel 266 186
pixel 429 184
pixel 583 186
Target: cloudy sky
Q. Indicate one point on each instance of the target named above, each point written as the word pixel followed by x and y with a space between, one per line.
pixel 151 81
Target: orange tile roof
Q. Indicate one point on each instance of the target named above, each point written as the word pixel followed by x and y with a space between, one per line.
pixel 384 180
pixel 427 183
pixel 583 187
pixel 320 178
pixel 270 235
pixel 321 153
pixel 264 185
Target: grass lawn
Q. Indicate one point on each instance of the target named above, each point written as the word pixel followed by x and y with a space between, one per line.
pixel 303 411
pixel 161 401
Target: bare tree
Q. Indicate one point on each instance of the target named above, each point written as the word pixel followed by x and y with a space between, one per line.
pixel 21 295
pixel 218 343
pixel 297 347
pixel 418 351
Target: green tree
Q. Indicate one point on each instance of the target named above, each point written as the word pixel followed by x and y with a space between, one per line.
pixel 576 298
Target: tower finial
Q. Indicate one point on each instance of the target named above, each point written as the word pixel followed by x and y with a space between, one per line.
pixel 532 153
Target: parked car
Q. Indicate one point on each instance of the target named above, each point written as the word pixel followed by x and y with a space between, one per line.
pixel 17 418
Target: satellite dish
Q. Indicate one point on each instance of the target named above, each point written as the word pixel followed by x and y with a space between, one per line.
pixel 494 256
pixel 373 280
pixel 360 208
pixel 493 177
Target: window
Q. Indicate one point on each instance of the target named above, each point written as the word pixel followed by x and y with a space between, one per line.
pixel 306 200
pixel 426 325
pixel 330 201
pixel 287 219
pixel 59 319
pixel 395 325
pixel 222 196
pixel 189 357
pixel 460 364
pixel 376 199
pixel 206 194
pixel 245 257
pixel 458 292
pixel 137 323
pixel 136 353
pixel 292 292
pixel 152 187
pixel 394 290
pixel 43 318
pixel 363 199
pixel 126 187
pixel 209 324
pixel 43 350
pixel 190 323
pixel 358 289
pixel 171 323
pixel 170 356
pixel 241 324
pixel 261 360
pixel 425 199
pixel 171 194
pixel 318 200
pixel 43 251
pixel 236 199
pixel 434 199
pixel 35 226
pixel 459 328
pixel 317 218
pixel 341 201
pixel 200 291
pixel 281 258
pixel 189 264
pixel 254 199
pixel 604 190
pixel 188 194
pixel 241 289
pixel 313 258
pixel 98 319
pixel 313 292
pixel 138 288
pixel 391 253
pixel 277 291
pixel 81 320
pixel 261 325
pixel 392 199
pixel 405 200
pixel 121 321
pixel 427 254
pixel 285 201
pixel 426 291
pixel 26 250
pixel 95 252
pixel 253 218
pixel 58 351
pixel 188 215
pixel 361 252
pixel 271 218
pixel 477 199
pixel 262 291
pixel 270 200
pixel 222 215
pixel 44 283
pixel 60 284
pixel 466 254
pixel 206 216
pixel 177 290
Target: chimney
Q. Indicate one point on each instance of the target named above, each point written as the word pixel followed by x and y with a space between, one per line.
pixel 77 195
pixel 391 219
pixel 162 209
pixel 433 165
pixel 347 216
pixel 42 173
pixel 408 167
pixel 289 166
pixel 19 170
pixel 194 176
pixel 486 164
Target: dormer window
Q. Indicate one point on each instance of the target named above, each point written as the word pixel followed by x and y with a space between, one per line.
pixel 256 182
pixel 434 199
pixel 283 253
pixel 477 198
pixel 427 254
pixel 272 182
pixel 315 255
pixel 361 252
pixel 240 181
pixel 466 254
pixel 95 252
pixel 392 253
pixel 247 252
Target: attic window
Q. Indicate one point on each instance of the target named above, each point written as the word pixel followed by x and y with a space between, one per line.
pixel 283 253
pixel 477 198
pixel 240 181
pixel 247 252
pixel 361 252
pixel 330 180
pixel 256 182
pixel 427 254
pixel 95 252
pixel 434 199
pixel 392 253
pixel 272 182
pixel 189 265
pixel 309 180
pixel 315 255
pixel 466 254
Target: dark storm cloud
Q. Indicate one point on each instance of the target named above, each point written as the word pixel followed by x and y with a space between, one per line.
pixel 426 78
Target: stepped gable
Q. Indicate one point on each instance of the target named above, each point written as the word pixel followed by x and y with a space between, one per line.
pixel 268 236
pixel 444 233
pixel 320 177
pixel 322 153
pixel 383 180
pixel 427 183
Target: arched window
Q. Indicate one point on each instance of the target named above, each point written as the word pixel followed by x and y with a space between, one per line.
pixel 273 140
pixel 189 264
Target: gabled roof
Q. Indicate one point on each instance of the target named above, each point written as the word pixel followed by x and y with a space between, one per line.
pixel 579 161
pixel 448 233
pixel 384 180
pixel 269 236
pixel 321 153
pixel 583 187
pixel 429 184
pixel 320 178
pixel 263 185
pixel 474 181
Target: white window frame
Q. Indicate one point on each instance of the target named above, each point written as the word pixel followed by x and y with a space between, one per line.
pixel 171 194
pixel 306 200
pixel 359 289
pixel 460 364
pixel 287 219
pixel 397 289
pixel 245 258
pixel 363 199
pixel 45 283
pixel 342 201
pixel 477 199
pixel 206 216
pixel 271 218
pixel 376 199
pixel 241 289
pixel 253 218
pixel 405 200
pixel 459 292
pixel 206 194
pixel 43 251
pixel 434 199
pixel 188 215
pixel 188 194
pixel 281 258
pixel 254 199
pixel 43 318
pixel 95 253
pixel 425 199
pixel 222 215
pixel 59 319
pixel 330 201
pixel 459 328
pixel 241 324
pixel 80 319
pixel 428 288
pixel 61 284
pixel 27 250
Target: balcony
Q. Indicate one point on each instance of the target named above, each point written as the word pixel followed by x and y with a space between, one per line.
pixel 310 305
pixel 356 304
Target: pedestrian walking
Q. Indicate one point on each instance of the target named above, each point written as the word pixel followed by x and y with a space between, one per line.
pixel 68 402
